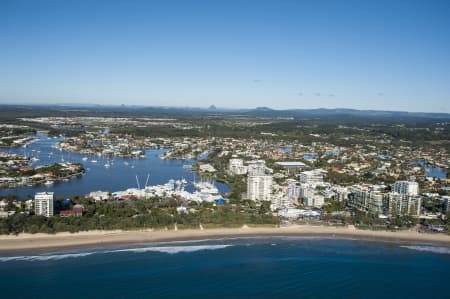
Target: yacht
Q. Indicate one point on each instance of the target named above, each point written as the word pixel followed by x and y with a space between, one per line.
pixel 206 187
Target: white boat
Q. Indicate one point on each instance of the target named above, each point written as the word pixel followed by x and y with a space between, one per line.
pixel 206 187
pixel 107 165
pixel 48 183
pixel 94 161
pixel 84 158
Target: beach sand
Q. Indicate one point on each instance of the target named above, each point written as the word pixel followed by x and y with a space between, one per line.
pixel 99 238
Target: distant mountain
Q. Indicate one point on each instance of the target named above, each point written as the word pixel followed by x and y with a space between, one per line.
pixel 323 112
pixel 255 112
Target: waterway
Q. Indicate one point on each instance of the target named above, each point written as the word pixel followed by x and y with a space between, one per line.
pixel 121 174
pixel 431 171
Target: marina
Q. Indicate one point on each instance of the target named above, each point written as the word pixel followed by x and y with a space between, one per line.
pixel 120 174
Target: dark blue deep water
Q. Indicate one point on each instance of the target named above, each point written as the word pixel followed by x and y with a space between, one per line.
pixel 120 176
pixel 278 267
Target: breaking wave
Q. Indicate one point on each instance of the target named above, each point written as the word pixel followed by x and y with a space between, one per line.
pixel 434 249
pixel 43 257
pixel 163 249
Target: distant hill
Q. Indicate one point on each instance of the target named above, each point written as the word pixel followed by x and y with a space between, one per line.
pixel 322 112
pixel 136 110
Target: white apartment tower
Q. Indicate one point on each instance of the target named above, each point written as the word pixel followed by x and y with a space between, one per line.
pixel 43 204
pixel 259 187
pixel 406 187
pixel 257 168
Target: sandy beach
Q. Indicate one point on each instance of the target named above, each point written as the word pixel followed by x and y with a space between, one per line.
pixel 99 238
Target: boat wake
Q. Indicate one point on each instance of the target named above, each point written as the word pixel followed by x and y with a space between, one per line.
pixel 162 249
pixel 434 249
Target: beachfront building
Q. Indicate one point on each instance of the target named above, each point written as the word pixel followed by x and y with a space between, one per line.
pixel 292 190
pixel 305 193
pixel 236 167
pixel 43 204
pixel 373 200
pixel 406 187
pixel 366 198
pixel 259 187
pixel 403 204
pixel 280 201
pixel 316 200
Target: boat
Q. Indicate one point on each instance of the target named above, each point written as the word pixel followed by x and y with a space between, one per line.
pixel 48 183
pixel 206 187
pixel 107 165
pixel 93 161
pixel 84 158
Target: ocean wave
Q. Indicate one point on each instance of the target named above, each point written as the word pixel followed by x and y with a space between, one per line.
pixel 163 249
pixel 434 249
pixel 54 257
pixel 172 249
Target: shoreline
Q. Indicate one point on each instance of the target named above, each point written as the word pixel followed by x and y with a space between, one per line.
pixel 40 242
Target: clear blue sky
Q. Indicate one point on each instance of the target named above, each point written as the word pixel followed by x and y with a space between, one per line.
pixel 390 55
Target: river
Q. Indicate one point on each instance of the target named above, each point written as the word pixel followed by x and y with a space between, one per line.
pixel 121 175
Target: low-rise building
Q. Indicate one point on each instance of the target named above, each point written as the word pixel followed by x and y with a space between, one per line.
pixel 236 167
pixel 311 177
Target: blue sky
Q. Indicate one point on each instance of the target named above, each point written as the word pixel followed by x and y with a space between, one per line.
pixel 389 55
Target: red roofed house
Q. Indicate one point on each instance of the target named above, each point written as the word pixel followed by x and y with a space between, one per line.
pixel 74 212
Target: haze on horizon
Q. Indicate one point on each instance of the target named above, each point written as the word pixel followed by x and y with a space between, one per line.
pixel 383 55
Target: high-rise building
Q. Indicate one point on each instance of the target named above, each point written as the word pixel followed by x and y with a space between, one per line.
pixel 404 204
pixel 43 204
pixel 406 187
pixel 446 200
pixel 257 168
pixel 373 200
pixel 366 198
pixel 259 187
pixel 292 190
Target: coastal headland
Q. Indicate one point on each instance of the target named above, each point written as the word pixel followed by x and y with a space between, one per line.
pixel 101 238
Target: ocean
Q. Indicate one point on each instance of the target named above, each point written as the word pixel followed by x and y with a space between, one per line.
pixel 269 267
